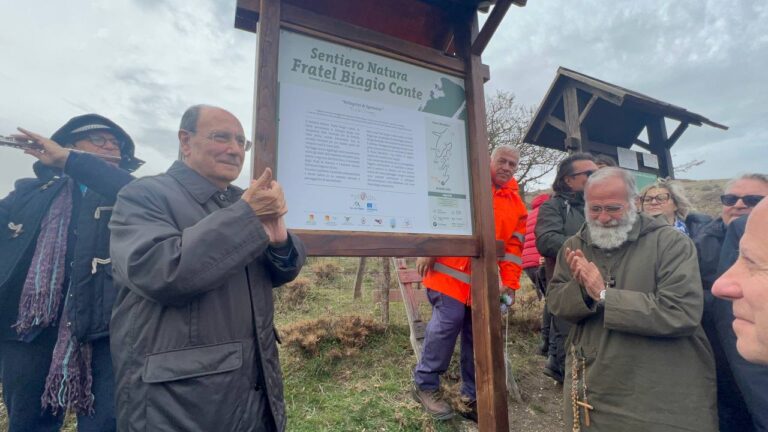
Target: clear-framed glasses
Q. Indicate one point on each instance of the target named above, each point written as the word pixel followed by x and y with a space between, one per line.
pixel 611 209
pixel 101 141
pixel 221 137
pixel 660 198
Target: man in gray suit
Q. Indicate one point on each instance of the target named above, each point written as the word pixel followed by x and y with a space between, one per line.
pixel 195 260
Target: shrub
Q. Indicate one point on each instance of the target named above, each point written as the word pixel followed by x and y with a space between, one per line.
pixel 326 272
pixel 333 337
pixel 293 295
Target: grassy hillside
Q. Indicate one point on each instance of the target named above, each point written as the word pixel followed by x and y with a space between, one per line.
pixel 345 371
pixel 703 194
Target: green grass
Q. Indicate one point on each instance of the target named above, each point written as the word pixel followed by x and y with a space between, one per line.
pixel 367 388
pixel 371 389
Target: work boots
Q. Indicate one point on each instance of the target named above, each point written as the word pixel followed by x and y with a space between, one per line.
pixel 471 409
pixel 552 370
pixel 432 403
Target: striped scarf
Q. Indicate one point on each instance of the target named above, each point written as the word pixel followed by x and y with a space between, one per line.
pixel 69 380
pixel 42 292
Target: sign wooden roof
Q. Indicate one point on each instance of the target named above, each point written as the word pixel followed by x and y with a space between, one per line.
pixel 608 113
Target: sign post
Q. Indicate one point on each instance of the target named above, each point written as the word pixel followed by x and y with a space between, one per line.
pixel 372 115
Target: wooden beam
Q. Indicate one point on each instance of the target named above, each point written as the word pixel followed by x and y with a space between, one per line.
pixel 546 112
pixel 657 138
pixel 559 124
pixel 642 144
pixel 359 244
pixel 573 127
pixel 610 97
pixel 589 145
pixel 593 86
pixel 489 354
pixel 587 108
pixel 676 134
pixel 264 153
pixel 489 28
pixel 297 18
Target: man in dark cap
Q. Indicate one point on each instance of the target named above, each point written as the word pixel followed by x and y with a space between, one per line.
pixel 56 289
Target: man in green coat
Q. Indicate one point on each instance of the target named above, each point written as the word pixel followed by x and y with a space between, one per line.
pixel 637 357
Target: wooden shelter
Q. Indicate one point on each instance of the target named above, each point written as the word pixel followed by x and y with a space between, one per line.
pixel 582 113
pixel 438 35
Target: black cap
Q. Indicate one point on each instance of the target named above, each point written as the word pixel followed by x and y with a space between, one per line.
pixel 77 126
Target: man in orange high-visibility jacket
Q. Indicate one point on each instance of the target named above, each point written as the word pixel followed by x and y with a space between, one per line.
pixel 448 290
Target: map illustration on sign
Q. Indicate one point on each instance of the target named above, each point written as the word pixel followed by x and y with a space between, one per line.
pixel 369 143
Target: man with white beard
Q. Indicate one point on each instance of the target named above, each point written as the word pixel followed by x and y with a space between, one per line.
pixel 638 359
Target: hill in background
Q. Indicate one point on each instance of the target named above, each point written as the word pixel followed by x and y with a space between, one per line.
pixel 703 194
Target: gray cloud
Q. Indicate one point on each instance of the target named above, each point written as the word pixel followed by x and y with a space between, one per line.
pixel 703 55
pixel 142 62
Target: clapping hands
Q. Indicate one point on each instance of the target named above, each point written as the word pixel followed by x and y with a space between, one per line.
pixel 585 272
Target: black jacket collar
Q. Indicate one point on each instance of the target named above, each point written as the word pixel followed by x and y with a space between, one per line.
pixel 200 187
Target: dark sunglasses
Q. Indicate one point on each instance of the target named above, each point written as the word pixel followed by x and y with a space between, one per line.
pixel 748 200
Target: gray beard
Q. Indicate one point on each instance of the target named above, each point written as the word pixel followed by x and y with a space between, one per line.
pixel 613 235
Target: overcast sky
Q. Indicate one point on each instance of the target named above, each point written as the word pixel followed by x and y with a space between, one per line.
pixel 142 62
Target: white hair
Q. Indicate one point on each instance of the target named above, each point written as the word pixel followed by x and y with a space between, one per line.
pixel 504 148
pixel 604 174
pixel 750 176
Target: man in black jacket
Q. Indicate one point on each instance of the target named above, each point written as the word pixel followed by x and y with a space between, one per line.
pixel 741 401
pixel 196 259
pixel 55 278
pixel 559 218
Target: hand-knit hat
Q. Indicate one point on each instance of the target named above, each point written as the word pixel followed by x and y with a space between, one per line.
pixel 76 127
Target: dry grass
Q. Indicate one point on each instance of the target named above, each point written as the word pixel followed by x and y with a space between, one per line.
pixel 293 296
pixel 342 336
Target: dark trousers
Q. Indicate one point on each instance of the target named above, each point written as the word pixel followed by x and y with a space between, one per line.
pixel 450 318
pixel 732 411
pixel 558 333
pixel 538 277
pixel 25 366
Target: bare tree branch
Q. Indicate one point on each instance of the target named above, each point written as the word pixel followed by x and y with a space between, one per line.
pixel 507 122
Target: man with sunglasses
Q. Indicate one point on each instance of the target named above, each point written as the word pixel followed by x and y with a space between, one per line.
pixel 638 359
pixel 56 287
pixel 196 259
pixel 559 218
pixel 739 404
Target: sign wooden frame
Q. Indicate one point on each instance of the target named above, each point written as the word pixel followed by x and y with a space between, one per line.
pixel 481 246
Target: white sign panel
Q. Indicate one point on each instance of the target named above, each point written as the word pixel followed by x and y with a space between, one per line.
pixel 650 160
pixel 627 158
pixel 367 143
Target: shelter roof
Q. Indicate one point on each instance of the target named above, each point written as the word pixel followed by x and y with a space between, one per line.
pixel 424 22
pixel 616 116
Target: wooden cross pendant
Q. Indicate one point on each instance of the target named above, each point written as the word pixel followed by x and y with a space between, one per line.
pixel 586 407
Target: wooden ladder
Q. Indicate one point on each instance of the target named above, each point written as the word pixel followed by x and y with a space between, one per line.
pixel 408 280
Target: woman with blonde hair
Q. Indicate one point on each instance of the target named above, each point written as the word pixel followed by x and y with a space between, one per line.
pixel 667 197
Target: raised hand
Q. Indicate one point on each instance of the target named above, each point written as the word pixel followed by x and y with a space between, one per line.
pixel 265 196
pixel 50 153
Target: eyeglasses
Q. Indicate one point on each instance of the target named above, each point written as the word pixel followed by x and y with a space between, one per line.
pixel 220 137
pixel 586 173
pixel 729 200
pixel 610 209
pixel 660 198
pixel 101 141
